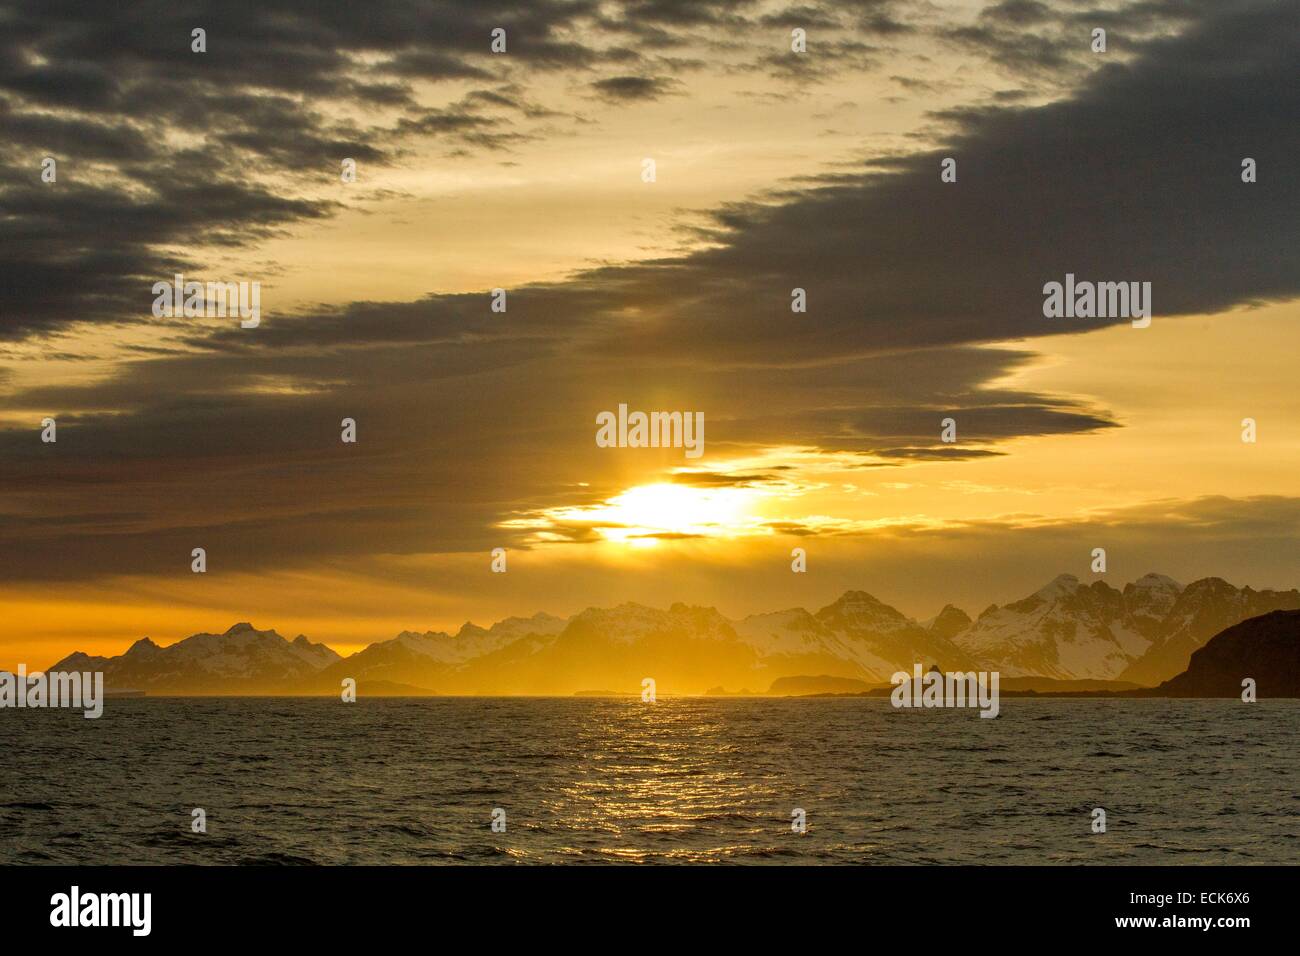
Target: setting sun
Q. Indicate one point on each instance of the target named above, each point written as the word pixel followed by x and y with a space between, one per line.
pixel 646 514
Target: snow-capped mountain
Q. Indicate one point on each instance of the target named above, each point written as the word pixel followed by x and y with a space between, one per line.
pixel 1200 611
pixel 473 641
pixel 1148 601
pixel 856 636
pixel 1144 634
pixel 1065 629
pixel 242 660
pixel 431 659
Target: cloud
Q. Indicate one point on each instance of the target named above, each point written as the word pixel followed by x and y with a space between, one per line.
pixel 58 269
pixel 629 89
pixel 465 416
pixel 159 145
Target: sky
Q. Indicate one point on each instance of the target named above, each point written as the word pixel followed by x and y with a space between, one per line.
pixel 523 170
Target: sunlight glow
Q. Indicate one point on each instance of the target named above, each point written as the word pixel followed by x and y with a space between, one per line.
pixel 646 514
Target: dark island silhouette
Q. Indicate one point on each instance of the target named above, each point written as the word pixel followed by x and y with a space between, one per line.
pixel 1265 649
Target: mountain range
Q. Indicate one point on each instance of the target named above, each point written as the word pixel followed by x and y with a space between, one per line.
pixel 1066 630
pixel 243 660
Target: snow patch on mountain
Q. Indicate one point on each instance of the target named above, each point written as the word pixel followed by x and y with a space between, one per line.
pixel 1065 629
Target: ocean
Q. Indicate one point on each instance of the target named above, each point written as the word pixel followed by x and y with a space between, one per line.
pixel 681 780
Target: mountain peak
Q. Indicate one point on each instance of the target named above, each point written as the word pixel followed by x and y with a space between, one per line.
pixel 246 630
pixel 855 596
pixel 144 645
pixel 857 601
pixel 78 661
pixel 1059 586
pixel 1210 585
pixel 1154 580
pixel 1150 598
pixel 950 622
pixel 860 611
